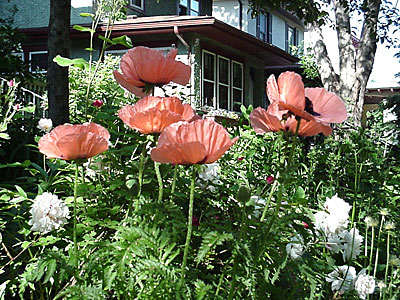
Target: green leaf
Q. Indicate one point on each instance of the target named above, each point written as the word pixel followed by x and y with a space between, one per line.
pixel 4 136
pixel 29 109
pixel 21 192
pixel 210 240
pixel 106 40
pixel 86 15
pixel 130 183
pixel 76 62
pixel 123 40
pixel 50 270
pixel 83 29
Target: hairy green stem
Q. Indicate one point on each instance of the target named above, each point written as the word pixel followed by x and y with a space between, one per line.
pixel 377 246
pixel 76 262
pixel 387 259
pixel 140 175
pixel 371 253
pixel 189 230
pixel 174 181
pixel 159 179
pixel 270 197
pixel 243 227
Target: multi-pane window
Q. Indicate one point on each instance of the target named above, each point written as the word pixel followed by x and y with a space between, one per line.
pixel 138 4
pixel 291 38
pixel 222 82
pixel 189 7
pixel 38 61
pixel 264 27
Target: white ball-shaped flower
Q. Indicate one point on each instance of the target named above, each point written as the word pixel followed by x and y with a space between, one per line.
pixel 364 284
pixel 295 248
pixel 342 278
pixel 352 243
pixel 48 213
pixel 45 125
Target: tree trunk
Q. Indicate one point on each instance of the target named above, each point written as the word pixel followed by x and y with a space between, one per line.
pixel 57 77
pixel 355 62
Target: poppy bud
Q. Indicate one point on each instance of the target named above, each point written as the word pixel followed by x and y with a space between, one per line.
pixel 243 194
pixel 240 158
pixel 97 103
pixel 270 179
pixel 10 83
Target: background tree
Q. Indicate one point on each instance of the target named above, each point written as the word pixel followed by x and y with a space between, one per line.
pixel 57 76
pixel 355 58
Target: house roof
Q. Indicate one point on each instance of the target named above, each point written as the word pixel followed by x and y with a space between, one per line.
pixel 206 26
pixel 377 94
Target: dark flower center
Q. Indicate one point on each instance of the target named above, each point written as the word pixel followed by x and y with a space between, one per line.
pixel 310 109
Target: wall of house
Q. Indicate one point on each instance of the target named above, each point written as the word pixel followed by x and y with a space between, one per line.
pixel 36 13
pixel 228 11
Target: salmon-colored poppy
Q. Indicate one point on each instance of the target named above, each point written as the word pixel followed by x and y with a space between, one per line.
pixel 264 121
pixel 197 142
pixel 153 114
pixel 309 103
pixel 70 142
pixel 143 68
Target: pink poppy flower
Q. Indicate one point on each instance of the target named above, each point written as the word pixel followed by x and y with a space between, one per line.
pixel 197 142
pixel 143 68
pixel 264 121
pixel 270 179
pixel 153 114
pixel 312 104
pixel 70 142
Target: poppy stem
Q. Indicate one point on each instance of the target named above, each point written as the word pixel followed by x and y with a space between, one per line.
pixel 189 231
pixel 160 183
pixel 140 176
pixel 269 197
pixel 76 258
pixel 174 181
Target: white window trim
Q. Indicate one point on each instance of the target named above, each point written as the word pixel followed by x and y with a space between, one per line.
pixel 237 88
pixel 112 52
pixel 20 54
pixel 141 7
pixel 224 84
pixel 208 80
pixel 30 59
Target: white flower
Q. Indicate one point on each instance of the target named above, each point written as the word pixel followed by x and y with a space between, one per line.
pixel 342 278
pixel 334 243
pixel 330 224
pixel 48 213
pixel 352 244
pixel 45 125
pixel 364 284
pixel 337 206
pixel 296 247
pixel 210 172
pixel 381 285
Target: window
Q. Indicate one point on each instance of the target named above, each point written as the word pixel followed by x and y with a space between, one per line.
pixel 291 38
pixel 38 61
pixel 138 4
pixel 264 27
pixel 189 7
pixel 118 53
pixel 222 82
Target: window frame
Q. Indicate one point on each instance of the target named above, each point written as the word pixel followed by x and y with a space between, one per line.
pixel 267 29
pixel 30 61
pixel 217 84
pixel 237 88
pixel 295 38
pixel 189 8
pixel 141 8
pixel 214 100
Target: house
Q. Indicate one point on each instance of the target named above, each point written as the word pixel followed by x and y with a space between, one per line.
pixel 230 51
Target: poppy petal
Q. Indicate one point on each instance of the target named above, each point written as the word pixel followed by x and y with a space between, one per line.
pixel 183 154
pixel 291 90
pixel 263 122
pixel 329 106
pixel 130 85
